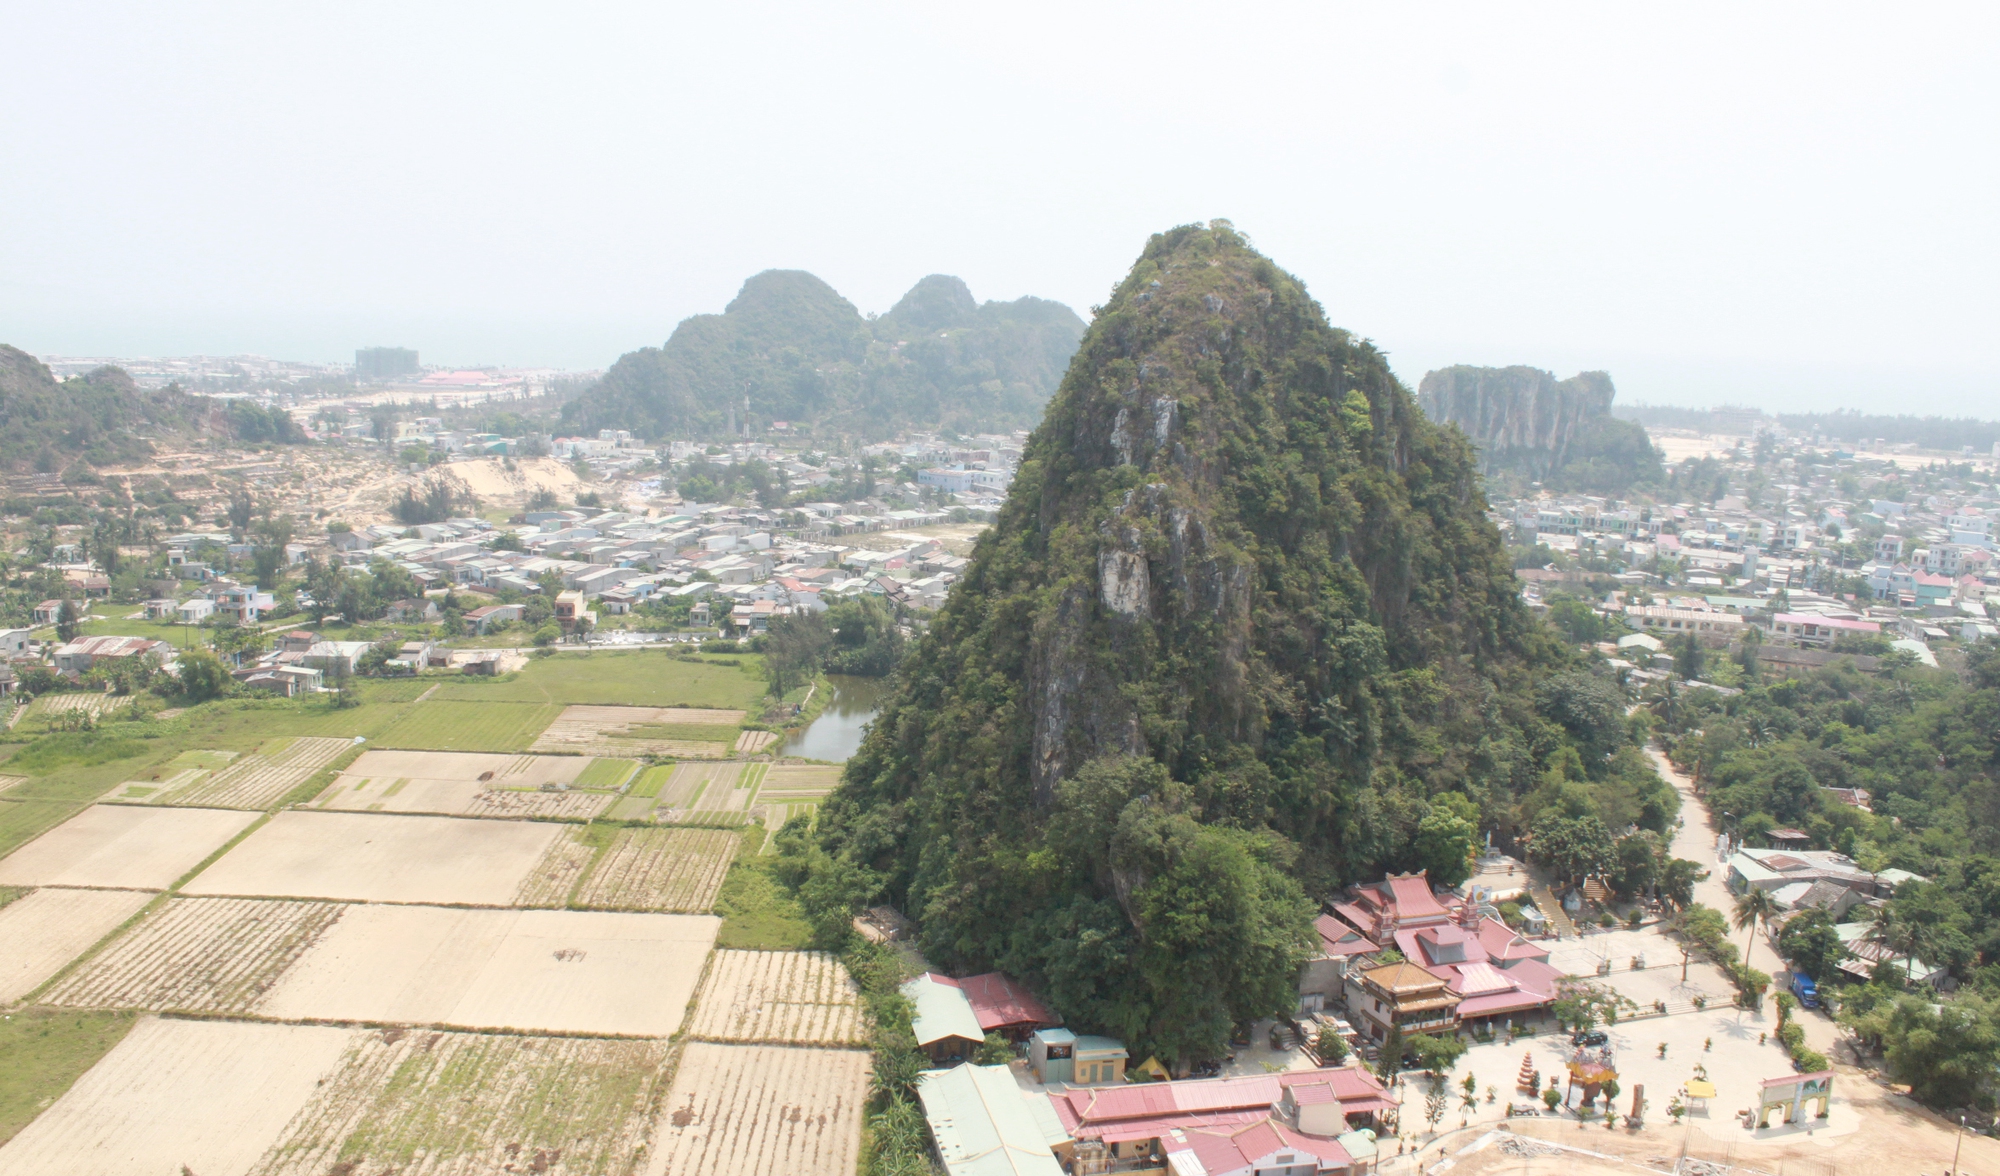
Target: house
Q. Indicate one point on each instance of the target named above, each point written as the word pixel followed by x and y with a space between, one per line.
pixel 417 654
pixel 15 642
pixel 47 611
pixel 8 681
pixel 336 657
pixel 570 610
pixel 162 608
pixel 944 1023
pixel 244 604
pixel 1057 1055
pixel 196 610
pixel 1324 977
pixel 79 655
pixel 416 610
pixel 1772 869
pixel 1814 629
pixel 618 601
pixel 297 641
pixel 485 663
pixel 1404 997
pixel 984 1126
pixel 1004 1005
pixel 1864 955
pixel 482 619
pixel 1121 1128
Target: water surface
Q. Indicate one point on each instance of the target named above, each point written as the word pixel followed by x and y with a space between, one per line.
pixel 837 732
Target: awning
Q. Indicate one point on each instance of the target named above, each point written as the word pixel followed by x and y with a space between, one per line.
pixel 1700 1089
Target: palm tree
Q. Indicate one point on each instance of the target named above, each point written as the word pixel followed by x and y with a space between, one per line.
pixel 1755 906
pixel 1899 936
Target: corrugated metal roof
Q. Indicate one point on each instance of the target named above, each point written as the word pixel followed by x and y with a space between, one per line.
pixel 942 1010
pixel 983 1124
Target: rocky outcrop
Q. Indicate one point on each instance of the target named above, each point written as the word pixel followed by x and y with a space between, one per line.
pixel 1519 417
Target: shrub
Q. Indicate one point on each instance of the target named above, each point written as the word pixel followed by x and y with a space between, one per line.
pixel 548 634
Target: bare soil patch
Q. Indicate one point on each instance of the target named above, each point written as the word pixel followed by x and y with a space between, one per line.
pixel 516 1104
pixel 556 872
pixel 49 928
pixel 738 1109
pixel 790 997
pixel 364 857
pixel 217 955
pixel 114 845
pixel 660 870
pixel 462 783
pixel 199 1096
pixel 789 782
pixel 489 477
pixel 553 971
pixel 616 731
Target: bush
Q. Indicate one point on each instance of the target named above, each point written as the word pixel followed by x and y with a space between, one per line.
pixel 1810 1061
pixel 548 634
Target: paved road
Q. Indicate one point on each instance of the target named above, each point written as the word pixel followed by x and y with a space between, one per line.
pixel 1695 841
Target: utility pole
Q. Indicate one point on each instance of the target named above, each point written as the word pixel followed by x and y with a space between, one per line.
pixel 1957 1142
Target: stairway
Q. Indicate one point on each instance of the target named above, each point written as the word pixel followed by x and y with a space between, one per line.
pixel 1545 901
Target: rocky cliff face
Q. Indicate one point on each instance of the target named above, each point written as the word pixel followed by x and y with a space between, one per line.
pixel 1517 416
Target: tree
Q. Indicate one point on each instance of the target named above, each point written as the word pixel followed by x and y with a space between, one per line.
pixel 1444 847
pixel 67 620
pixel 1752 907
pixel 543 499
pixel 1810 944
pixel 202 675
pixel 1946 1053
pixel 1572 847
pixel 268 561
pixel 793 647
pixel 1636 862
pixel 548 634
pixel 1436 1055
pixel 1688 657
pixel 1433 1099
pixel 1677 881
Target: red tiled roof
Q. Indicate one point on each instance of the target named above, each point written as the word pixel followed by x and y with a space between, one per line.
pixel 1413 898
pixel 1000 1001
pixel 1145 1111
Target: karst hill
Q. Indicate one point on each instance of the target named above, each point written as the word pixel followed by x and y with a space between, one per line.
pixel 1531 427
pixel 789 348
pixel 1241 634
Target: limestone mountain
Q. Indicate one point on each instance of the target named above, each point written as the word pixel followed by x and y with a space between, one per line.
pixel 102 416
pixel 1531 427
pixel 1241 634
pixel 790 348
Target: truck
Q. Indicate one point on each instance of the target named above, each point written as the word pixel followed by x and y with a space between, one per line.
pixel 1804 988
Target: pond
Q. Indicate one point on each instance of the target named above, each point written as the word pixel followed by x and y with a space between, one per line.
pixel 837 732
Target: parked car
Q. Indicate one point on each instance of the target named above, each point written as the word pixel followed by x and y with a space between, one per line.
pixel 1804 988
pixel 1590 1037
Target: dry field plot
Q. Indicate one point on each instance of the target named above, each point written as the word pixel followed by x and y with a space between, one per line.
pixel 463 783
pixel 791 997
pixel 92 704
pixel 552 971
pixel 762 1110
pixel 636 730
pixel 122 846
pixel 217 955
pixel 260 779
pixel 731 792
pixel 660 870
pixel 789 782
pixel 49 928
pixel 179 1096
pixel 366 857
pixel 690 782
pixel 426 1103
pixel 556 872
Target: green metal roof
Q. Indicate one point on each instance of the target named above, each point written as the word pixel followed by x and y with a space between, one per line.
pixel 983 1123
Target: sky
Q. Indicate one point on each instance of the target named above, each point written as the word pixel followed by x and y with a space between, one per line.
pixel 1784 205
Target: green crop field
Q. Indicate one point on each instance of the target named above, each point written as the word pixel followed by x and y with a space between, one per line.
pixel 440 725
pixel 687 732
pixel 626 678
pixel 651 780
pixel 608 774
pixel 47 1050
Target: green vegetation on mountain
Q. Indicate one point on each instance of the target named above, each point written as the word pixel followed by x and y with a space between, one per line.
pixel 789 348
pixel 103 417
pixel 1530 427
pixel 1241 635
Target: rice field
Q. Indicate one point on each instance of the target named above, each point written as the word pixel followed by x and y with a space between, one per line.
pixel 464 783
pixel 738 1109
pixel 254 781
pixel 556 872
pixel 428 1103
pixel 214 955
pixel 779 997
pixel 730 791
pixel 688 783
pixel 607 774
pixel 651 781
pixel 669 870
pixel 641 730
pixel 799 782
pixel 445 725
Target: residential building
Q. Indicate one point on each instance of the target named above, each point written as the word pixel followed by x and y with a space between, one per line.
pixel 1057 1055
pixel 984 1125
pixel 946 1028
pixel 15 642
pixel 1003 1005
pixel 80 655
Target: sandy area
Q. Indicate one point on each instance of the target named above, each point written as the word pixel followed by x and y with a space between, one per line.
pixel 559 971
pixel 365 857
pixel 1679 448
pixel 958 538
pixel 793 997
pixel 489 477
pixel 201 1097
pixel 49 928
pixel 448 782
pixel 762 1110
pixel 122 845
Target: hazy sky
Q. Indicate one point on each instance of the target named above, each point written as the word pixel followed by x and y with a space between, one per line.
pixel 1786 205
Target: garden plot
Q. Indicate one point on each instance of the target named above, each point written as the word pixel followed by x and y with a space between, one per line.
pixel 367 857
pixel 260 779
pixel 516 1104
pixel 556 872
pixel 730 795
pixel 660 870
pixel 690 782
pixel 789 997
pixel 790 782
pixel 642 730
pixel 737 1110
pixel 49 928
pixel 123 846
pixel 215 955
pixel 552 971
pixel 752 742
pixel 456 783
pixel 204 1097
pixel 90 703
